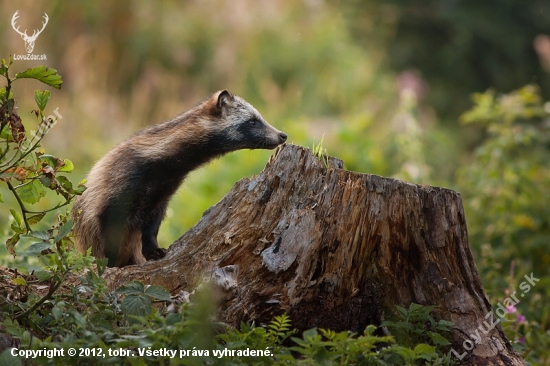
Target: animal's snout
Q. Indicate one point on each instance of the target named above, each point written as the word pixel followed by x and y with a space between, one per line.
pixel 282 137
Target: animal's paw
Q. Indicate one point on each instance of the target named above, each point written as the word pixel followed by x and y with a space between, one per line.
pixel 156 254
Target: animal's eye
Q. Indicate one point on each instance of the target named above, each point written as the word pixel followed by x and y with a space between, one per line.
pixel 253 122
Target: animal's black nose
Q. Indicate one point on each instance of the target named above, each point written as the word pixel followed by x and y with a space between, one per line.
pixel 282 136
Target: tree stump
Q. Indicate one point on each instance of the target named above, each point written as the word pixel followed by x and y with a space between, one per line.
pixel 333 249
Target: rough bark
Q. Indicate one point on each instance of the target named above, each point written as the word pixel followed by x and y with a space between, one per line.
pixel 333 249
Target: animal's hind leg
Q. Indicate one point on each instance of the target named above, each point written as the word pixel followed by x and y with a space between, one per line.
pixel 130 251
pixel 149 231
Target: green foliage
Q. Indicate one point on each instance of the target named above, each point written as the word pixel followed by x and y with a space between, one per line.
pixel 125 327
pixel 138 298
pixel 506 202
pixel 460 47
pixel 41 98
pixel 41 73
pixel 93 318
pixel 509 179
pixel 25 168
pixel 417 326
pixel 327 347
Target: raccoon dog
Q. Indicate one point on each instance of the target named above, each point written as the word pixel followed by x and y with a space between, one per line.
pixel 119 214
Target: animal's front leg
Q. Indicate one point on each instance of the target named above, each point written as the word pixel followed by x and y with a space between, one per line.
pixel 149 232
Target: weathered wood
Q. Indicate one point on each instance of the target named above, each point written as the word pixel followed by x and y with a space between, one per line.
pixel 334 249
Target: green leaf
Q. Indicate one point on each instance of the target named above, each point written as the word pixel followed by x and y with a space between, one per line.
pixel 49 159
pixel 6 359
pixel 1 198
pixel 445 324
pixel 68 167
pixel 64 230
pixel 44 74
pixel 17 228
pixel 309 334
pixel 36 248
pixel 136 305
pixel 19 281
pixel 80 320
pixel 423 348
pixel 3 68
pixel 370 329
pixel 299 342
pixel 403 314
pixel 46 182
pixel 10 244
pixel 132 288
pixel 438 339
pixel 101 263
pixel 173 318
pixel 39 234
pixel 6 134
pixel 65 183
pixel 42 275
pixel 31 192
pixel 41 98
pixel 80 189
pixel 406 353
pixel 35 219
pixel 158 293
pixel 414 307
pixel 3 94
pixel 17 216
pixel 57 313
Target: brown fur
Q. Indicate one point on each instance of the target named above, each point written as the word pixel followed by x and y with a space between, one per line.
pixel 129 188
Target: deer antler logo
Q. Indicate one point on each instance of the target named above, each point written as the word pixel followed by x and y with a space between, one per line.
pixel 29 40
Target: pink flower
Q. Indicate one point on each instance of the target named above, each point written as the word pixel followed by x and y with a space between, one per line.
pixel 511 309
pixel 521 318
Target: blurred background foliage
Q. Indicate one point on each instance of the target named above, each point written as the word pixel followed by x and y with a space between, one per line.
pixel 387 85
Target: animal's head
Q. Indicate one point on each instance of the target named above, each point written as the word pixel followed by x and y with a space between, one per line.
pixel 29 40
pixel 243 126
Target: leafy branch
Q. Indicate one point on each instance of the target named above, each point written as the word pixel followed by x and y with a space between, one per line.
pixel 23 160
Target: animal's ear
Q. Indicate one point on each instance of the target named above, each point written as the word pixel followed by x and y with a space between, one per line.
pixel 223 99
